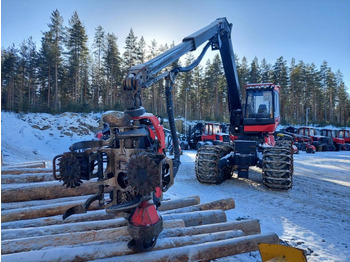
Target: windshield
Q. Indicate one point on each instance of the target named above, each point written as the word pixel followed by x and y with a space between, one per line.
pixel 259 104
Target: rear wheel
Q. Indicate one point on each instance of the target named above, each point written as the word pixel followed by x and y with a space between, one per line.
pixel 207 164
pixel 278 165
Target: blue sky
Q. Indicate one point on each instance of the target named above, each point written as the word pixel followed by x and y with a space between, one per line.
pixel 311 31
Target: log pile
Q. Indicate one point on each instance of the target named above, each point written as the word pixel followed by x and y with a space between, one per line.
pixel 33 229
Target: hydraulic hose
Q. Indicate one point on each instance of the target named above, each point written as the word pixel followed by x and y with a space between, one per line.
pixel 170 111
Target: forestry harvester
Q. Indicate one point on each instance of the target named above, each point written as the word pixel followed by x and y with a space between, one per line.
pixel 131 165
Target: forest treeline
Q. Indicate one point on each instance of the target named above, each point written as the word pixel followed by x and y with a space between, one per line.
pixel 64 74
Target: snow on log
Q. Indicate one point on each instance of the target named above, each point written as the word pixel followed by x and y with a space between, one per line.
pixel 47 221
pixel 41 211
pixel 17 233
pixel 32 203
pixel 199 218
pixel 27 178
pixel 202 252
pixel 33 229
pixel 118 233
pixel 16 170
pixel 248 227
pixel 59 209
pixel 179 203
pixel 43 190
pixel 106 249
pixel 223 204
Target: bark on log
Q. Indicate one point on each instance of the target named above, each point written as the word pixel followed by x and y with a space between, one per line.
pixel 248 227
pixel 26 178
pixel 179 203
pixel 194 218
pixel 90 216
pixel 42 211
pixel 103 250
pixel 33 203
pixel 199 218
pixel 73 238
pixel 222 204
pixel 43 190
pixel 14 170
pixel 18 233
pixel 202 252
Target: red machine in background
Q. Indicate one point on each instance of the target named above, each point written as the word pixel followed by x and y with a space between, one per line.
pixel 345 134
pixel 339 143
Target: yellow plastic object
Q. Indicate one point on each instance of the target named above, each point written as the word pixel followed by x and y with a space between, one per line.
pixel 281 253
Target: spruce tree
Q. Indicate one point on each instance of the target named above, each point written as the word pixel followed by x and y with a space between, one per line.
pixel 131 53
pixel 141 57
pixel 265 70
pixel 77 57
pixel 243 74
pixel 254 72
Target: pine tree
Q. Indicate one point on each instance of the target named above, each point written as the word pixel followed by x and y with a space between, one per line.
pixel 46 65
pixel 112 63
pixel 32 73
pixel 9 63
pixel 186 91
pixel 57 32
pixel 99 47
pixel 280 77
pixel 197 92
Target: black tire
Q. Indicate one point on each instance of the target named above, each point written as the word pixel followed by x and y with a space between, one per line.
pixel 218 142
pixel 207 164
pixel 184 145
pixel 199 145
pixel 278 166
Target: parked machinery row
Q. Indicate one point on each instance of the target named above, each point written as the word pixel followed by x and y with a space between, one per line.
pixel 312 139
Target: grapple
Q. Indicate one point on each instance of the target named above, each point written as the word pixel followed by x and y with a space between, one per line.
pixel 130 169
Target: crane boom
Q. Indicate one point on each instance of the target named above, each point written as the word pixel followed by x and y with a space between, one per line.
pixel 218 33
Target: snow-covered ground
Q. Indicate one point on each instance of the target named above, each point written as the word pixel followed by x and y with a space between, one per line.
pixel 314 215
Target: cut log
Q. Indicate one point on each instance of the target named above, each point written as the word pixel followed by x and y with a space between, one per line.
pixel 179 203
pixel 26 178
pixel 248 227
pixel 223 204
pixel 18 170
pixel 73 238
pixel 42 211
pixel 90 216
pixel 18 233
pixel 202 252
pixel 43 190
pixel 199 218
pixel 33 203
pixel 102 250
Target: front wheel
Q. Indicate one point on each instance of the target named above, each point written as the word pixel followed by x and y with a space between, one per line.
pixel 207 164
pixel 278 165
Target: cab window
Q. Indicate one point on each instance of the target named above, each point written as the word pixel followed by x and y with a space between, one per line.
pixel 259 104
